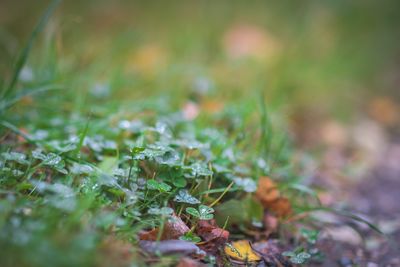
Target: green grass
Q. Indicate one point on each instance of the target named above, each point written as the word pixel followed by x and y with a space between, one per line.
pixel 95 147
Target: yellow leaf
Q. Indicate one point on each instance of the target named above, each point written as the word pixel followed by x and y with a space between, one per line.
pixel 241 250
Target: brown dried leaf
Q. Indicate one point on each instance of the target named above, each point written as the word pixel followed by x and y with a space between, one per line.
pixel 174 227
pixel 270 197
pixel 271 253
pixel 384 110
pixel 281 207
pixel 213 236
pixel 270 223
pixel 150 235
pixel 267 190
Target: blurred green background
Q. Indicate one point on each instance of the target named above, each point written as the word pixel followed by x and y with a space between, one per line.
pixel 318 58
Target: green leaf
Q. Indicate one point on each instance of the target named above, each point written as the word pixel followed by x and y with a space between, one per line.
pixel 81 169
pixel 303 255
pixel 52 159
pixel 310 235
pixel 24 186
pixel 163 187
pixel 198 169
pixel 207 217
pixel 180 182
pixel 164 211
pixel 137 149
pixel 15 156
pixel 116 192
pixel 152 185
pixel 193 212
pixel 37 154
pixel 289 254
pixel 189 236
pixel 248 184
pixel 206 213
pixel 108 164
pixel 184 197
pixel 297 260
pixel 240 211
pixel 170 158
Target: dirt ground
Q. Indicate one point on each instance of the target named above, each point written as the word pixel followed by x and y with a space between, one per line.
pixel 375 197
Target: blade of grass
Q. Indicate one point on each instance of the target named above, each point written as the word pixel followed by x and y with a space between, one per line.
pixel 222 195
pixel 27 92
pixel 306 190
pixel 28 47
pixel 17 131
pixel 345 214
pixel 217 190
pixel 266 129
pixel 82 139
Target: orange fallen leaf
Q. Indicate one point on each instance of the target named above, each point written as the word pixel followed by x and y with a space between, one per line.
pixel 267 191
pixel 241 250
pixel 384 110
pixel 243 40
pixel 212 106
pixel 271 199
pixel 147 60
pixel 281 207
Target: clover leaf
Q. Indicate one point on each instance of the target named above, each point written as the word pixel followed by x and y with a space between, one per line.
pixel 164 211
pixel 189 236
pixel 15 156
pixel 180 182
pixel 160 186
pixel 184 197
pixel 52 160
pixel 310 235
pixel 193 212
pixel 203 213
pixel 198 169
pixel 206 213
pixel 298 258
